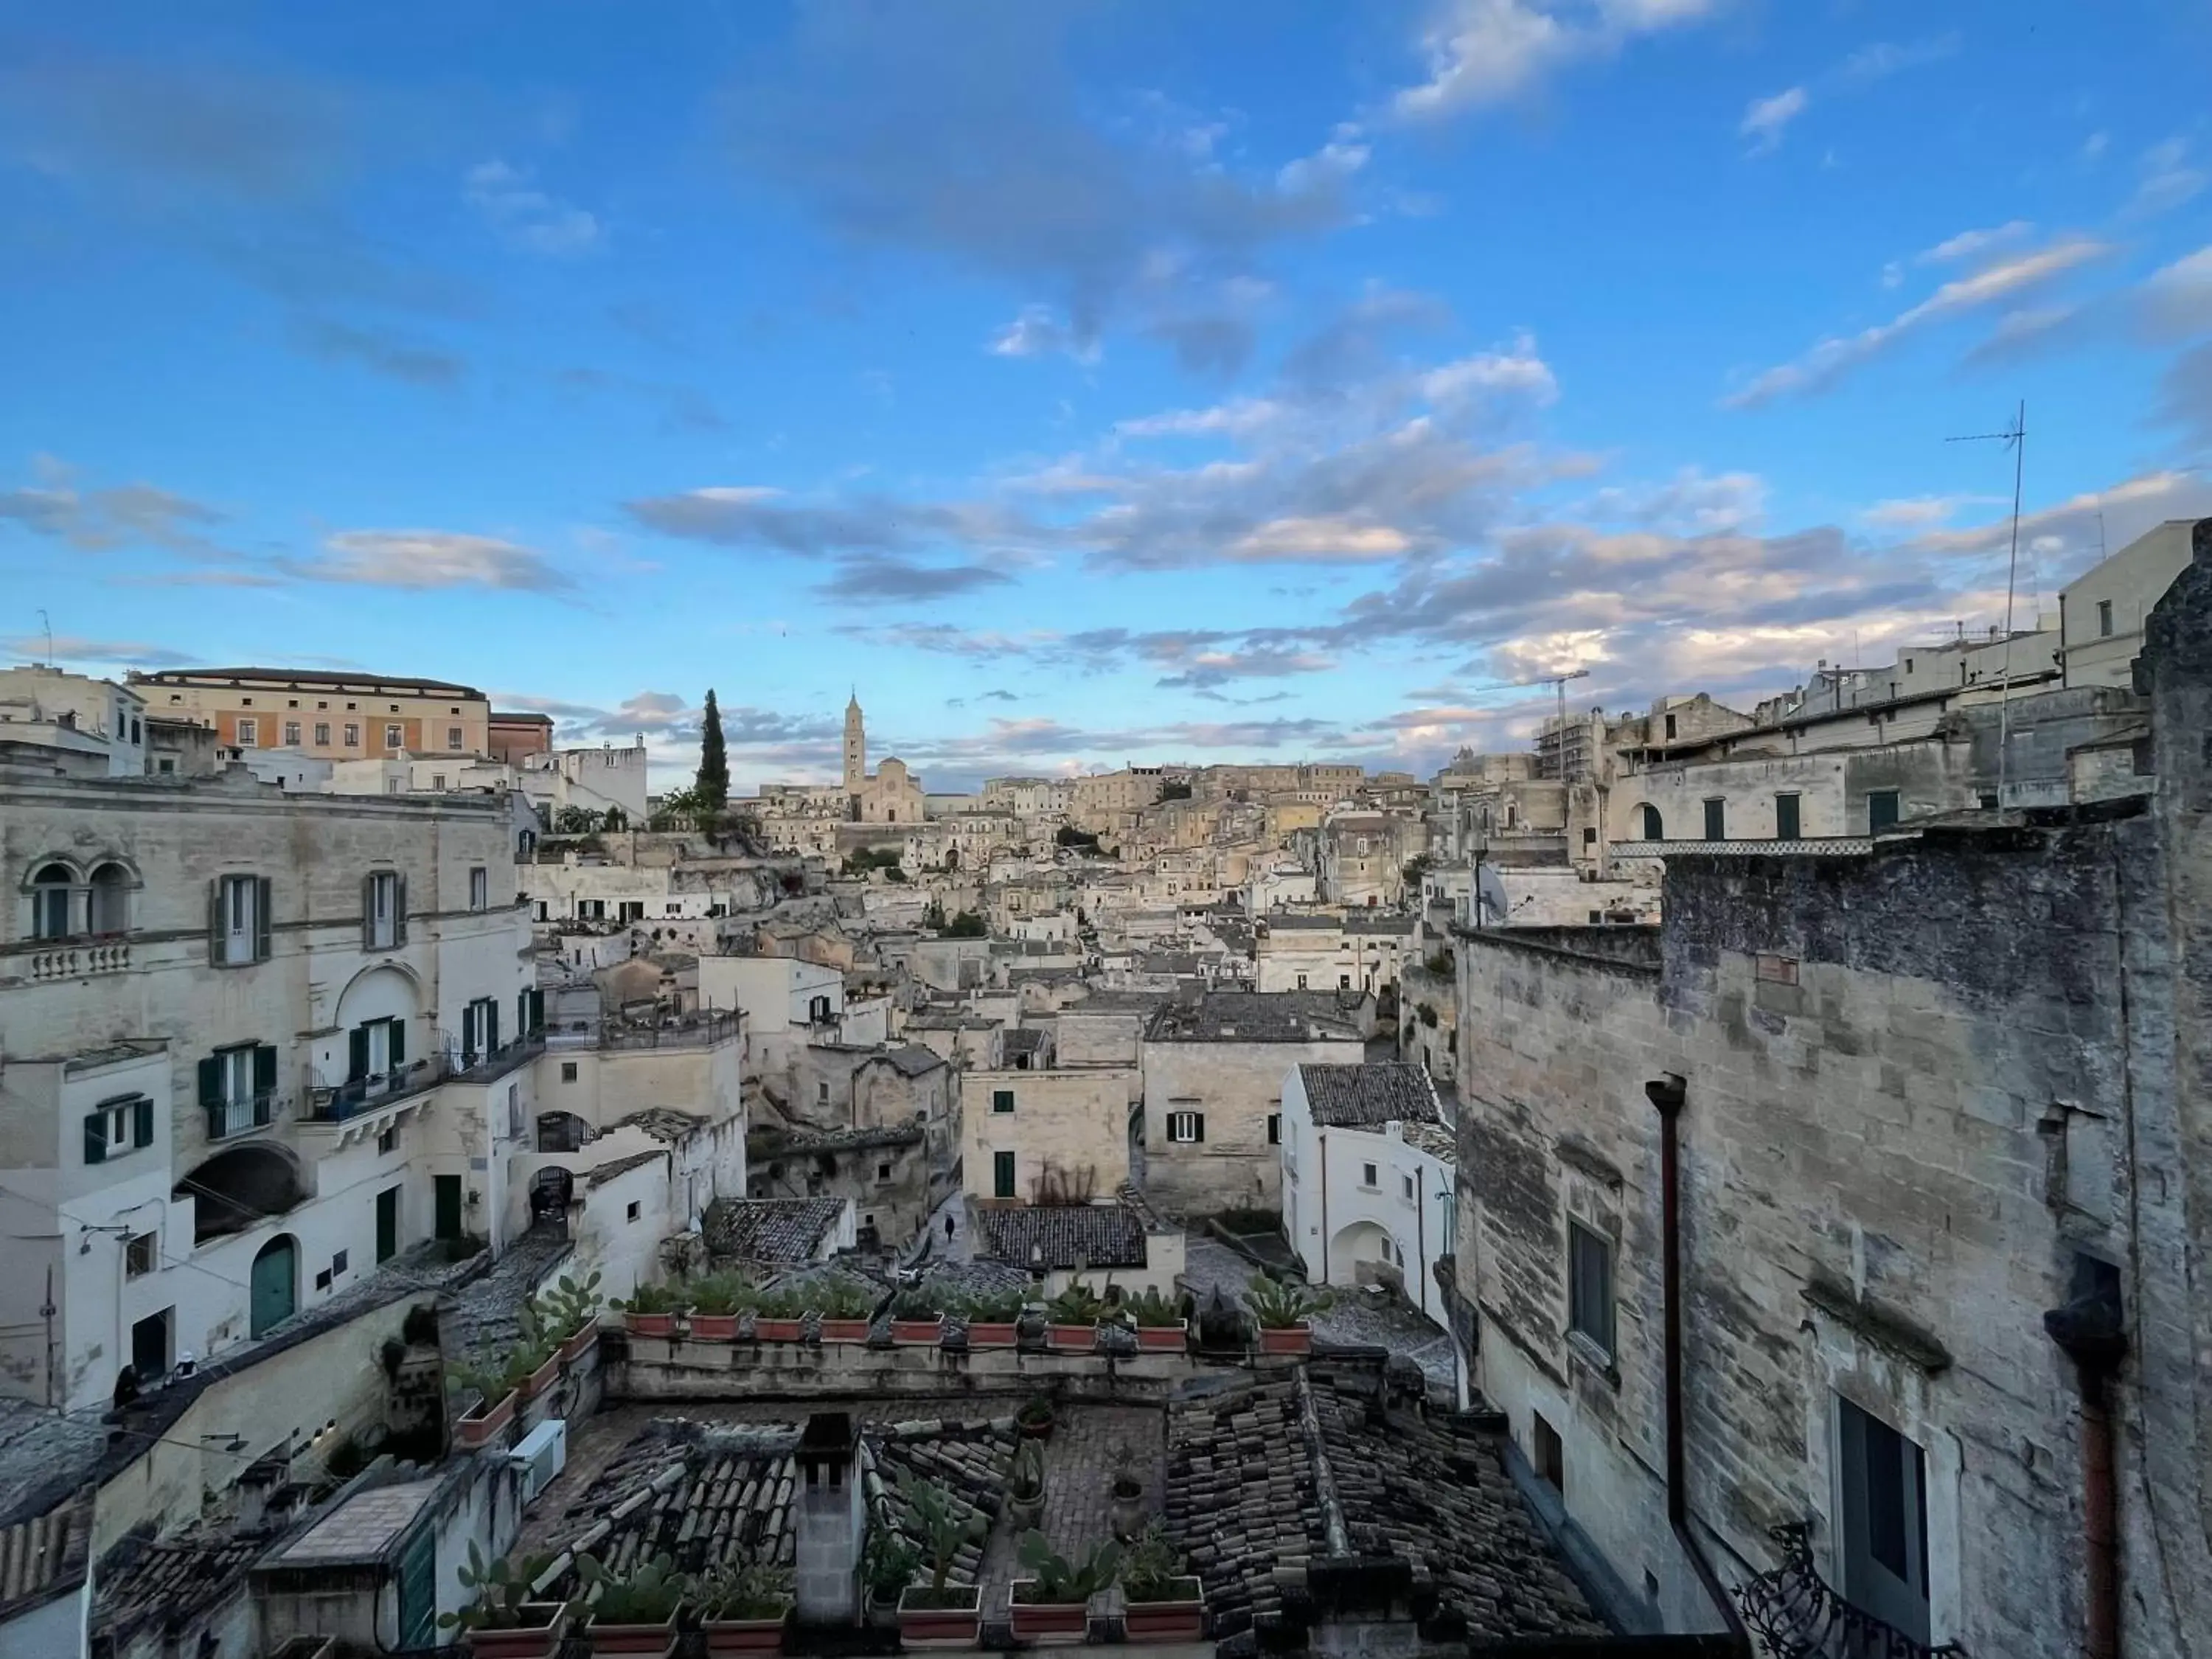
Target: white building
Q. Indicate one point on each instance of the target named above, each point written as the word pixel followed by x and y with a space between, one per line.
pixel 1368 1165
pixel 54 708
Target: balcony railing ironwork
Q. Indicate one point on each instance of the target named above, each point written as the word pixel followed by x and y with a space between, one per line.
pixel 1796 1614
pixel 453 1064
pixel 229 1118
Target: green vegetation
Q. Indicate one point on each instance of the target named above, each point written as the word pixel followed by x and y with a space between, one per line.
pixel 744 1590
pixel 943 1529
pixel 711 789
pixel 655 1299
pixel 1079 1304
pixel 1278 1304
pixel 1152 1571
pixel 1154 1307
pixel 647 1595
pixel 502 1592
pixel 1056 1580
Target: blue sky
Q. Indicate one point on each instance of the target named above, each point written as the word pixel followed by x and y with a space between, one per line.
pixel 1086 382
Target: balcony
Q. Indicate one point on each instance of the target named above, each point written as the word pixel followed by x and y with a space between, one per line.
pixel 690 1031
pixel 229 1119
pixel 80 959
pixel 358 1096
pixel 1792 1610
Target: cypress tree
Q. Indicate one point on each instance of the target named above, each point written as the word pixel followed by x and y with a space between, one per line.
pixel 712 789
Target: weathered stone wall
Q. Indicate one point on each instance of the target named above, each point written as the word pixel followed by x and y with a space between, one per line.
pixel 1236 1087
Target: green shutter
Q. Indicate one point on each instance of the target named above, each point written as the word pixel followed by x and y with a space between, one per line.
pixel 142 1122
pixel 95 1137
pixel 368 913
pixel 211 1081
pixel 263 890
pixel 399 909
pixel 537 1009
pixel 1198 1128
pixel 1002 1175
pixel 215 921
pixel 264 1070
pixel 357 1053
pixel 399 1043
pixel 491 1026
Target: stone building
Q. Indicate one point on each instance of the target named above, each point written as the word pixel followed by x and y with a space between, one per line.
pixel 334 716
pixel 1212 1073
pixel 1323 949
pixel 1045 1137
pixel 55 710
pixel 1363 856
pixel 1918 1122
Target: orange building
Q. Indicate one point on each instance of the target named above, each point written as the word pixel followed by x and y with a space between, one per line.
pixel 335 716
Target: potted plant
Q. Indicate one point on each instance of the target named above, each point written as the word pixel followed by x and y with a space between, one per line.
pixel 504 1621
pixel 778 1316
pixel 570 1311
pixel 652 1309
pixel 917 1317
pixel 1161 1327
pixel 940 1614
pixel 1054 1603
pixel 888 1563
pixel 717 1300
pixel 993 1318
pixel 494 1404
pixel 1074 1316
pixel 1162 1603
pixel 534 1362
pixel 1034 1418
pixel 1026 1484
pixel 1281 1308
pixel 636 1612
pixel 1127 1514
pixel 743 1606
pixel 844 1308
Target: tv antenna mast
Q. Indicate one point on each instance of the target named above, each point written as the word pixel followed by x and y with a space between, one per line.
pixel 2015 439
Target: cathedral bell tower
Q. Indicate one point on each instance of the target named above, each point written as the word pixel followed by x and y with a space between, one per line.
pixel 856 747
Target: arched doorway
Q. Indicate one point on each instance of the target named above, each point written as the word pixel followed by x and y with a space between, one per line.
pixel 1357 1252
pixel 1649 823
pixel 276 1284
pixel 110 904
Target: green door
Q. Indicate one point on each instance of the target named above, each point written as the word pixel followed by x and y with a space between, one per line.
pixel 1002 1175
pixel 447 1192
pixel 387 1223
pixel 276 1274
pixel 418 1591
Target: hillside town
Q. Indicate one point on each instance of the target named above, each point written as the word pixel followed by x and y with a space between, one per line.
pixel 1710 1180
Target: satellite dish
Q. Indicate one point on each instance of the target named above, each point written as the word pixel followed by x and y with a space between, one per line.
pixel 1488 900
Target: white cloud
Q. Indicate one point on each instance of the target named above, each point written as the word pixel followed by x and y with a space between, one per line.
pixel 1328 540
pixel 525 217
pixel 1765 121
pixel 1038 333
pixel 1482 52
pixel 1969 244
pixel 1916 512
pixel 1886 58
pixel 427 559
pixel 2177 299
pixel 1519 371
pixel 2167 178
pixel 1237 418
pixel 1831 358
pixel 1327 168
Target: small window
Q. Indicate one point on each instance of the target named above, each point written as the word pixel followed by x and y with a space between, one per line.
pixel 1716 818
pixel 1785 818
pixel 245 703
pixel 438 783
pixel 387 1141
pixel 633 1209
pixel 1368 1176
pixel 568 1070
pixel 1590 1287
pixel 1186 1129
pixel 322 734
pixel 337 1264
pixel 2104 619
pixel 291 734
pixel 883 1172
pixel 380 920
pixel 1548 1453
pixel 1002 1100
pixel 479 888
pixel 1407 1181
pixel 240 926
pixel 1597 918
pixel 395 735
pixel 352 735
pixel 1670 728
pixel 821 1091
pixel 1274 1128
pixel 1882 810
pixel 142 1253
pixel 1590 834
pixel 249 732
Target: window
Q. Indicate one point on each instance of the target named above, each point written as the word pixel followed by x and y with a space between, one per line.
pixel 1002 1175
pixel 1785 818
pixel 1369 1176
pixel 883 1172
pixel 238 920
pixel 1302 982
pixel 1274 1128
pixel 395 735
pixel 821 1091
pixel 116 1126
pixel 1882 810
pixel 1547 1452
pixel 386 1140
pixel 2104 619
pixel 1882 1491
pixel 1590 1287
pixel 1716 819
pixel 249 732
pixel 1186 1129
pixel 1670 728
pixel 149 1346
pixel 1407 1181
pixel 479 889
pixel 142 1253
pixel 322 734
pixel 635 1210
pixel 438 783
pixel 376 1047
pixel 337 1264
pixel 453 736
pixel 381 927
pixel 1590 834
pixel 479 1030
pixel 1648 825
pixel 51 902
pixel 138 734
pixel 1344 981
pixel 352 735
pixel 1002 1100
pixel 568 1070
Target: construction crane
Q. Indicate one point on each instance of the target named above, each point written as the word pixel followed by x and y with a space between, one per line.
pixel 1558 683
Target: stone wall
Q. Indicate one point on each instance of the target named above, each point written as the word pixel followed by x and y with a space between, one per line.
pixel 1237 1088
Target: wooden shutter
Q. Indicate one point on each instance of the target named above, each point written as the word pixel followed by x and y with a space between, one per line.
pixel 215 921
pixel 211 1081
pixel 398 1029
pixel 399 909
pixel 142 1122
pixel 357 1053
pixel 95 1137
pixel 491 1026
pixel 1198 1128
pixel 263 890
pixel 368 911
pixel 264 1070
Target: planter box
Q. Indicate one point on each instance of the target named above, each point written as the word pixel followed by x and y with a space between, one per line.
pixel 581 1344
pixel 1071 1339
pixel 1292 1338
pixel 768 1330
pixel 918 1333
pixel 1047 1621
pixel 660 1324
pixel 523 1641
pixel 941 1627
pixel 1180 1620
pixel 713 1327
pixel 539 1380
pixel 743 1634
pixel 1164 1339
pixel 484 1422
pixel 992 1333
pixel 844 1330
pixel 633 1638
pixel 1030 1430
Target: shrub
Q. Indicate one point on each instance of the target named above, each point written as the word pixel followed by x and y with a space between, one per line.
pixel 501 1590
pixel 1278 1304
pixel 1079 1304
pixel 1151 1570
pixel 1152 1307
pixel 649 1595
pixel 1054 1579
pixel 655 1299
pixel 750 1588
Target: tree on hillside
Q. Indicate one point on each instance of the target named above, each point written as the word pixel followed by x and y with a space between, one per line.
pixel 711 790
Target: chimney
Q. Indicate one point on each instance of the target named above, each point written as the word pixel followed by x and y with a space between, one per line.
pixel 830 1521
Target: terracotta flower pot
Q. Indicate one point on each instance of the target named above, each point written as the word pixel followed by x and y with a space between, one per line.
pixel 918 1333
pixel 1164 1339
pixel 941 1627
pixel 1047 1621
pixel 530 1640
pixel 768 1330
pixel 743 1634
pixel 1071 1339
pixel 646 1324
pixel 714 1328
pixel 539 1380
pixel 844 1330
pixel 1288 1339
pixel 581 1344
pixel 484 1421
pixel 992 1333
pixel 1183 1619
pixel 658 1638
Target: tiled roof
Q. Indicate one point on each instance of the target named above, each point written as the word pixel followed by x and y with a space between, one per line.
pixel 972 1462
pixel 777 1143
pixel 1369 1095
pixel 1434 1139
pixel 143 1583
pixel 1024 1039
pixel 665 1123
pixel 771 1230
pixel 1252 1017
pixel 702 1494
pixel 45 1557
pixel 602 1173
pixel 912 1060
pixel 1269 1481
pixel 1062 1236
pixel 360 1527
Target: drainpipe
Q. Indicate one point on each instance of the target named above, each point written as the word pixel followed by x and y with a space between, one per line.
pixel 1667 1094
pixel 2091 1330
pixel 1324 1210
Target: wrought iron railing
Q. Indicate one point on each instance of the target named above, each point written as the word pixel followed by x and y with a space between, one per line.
pixel 1794 1613
pixel 349 1099
pixel 227 1118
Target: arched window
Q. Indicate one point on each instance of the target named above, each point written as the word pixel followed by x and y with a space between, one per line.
pixel 1647 817
pixel 52 896
pixel 111 899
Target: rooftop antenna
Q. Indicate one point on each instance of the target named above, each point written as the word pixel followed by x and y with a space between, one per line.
pixel 49 623
pixel 2015 439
